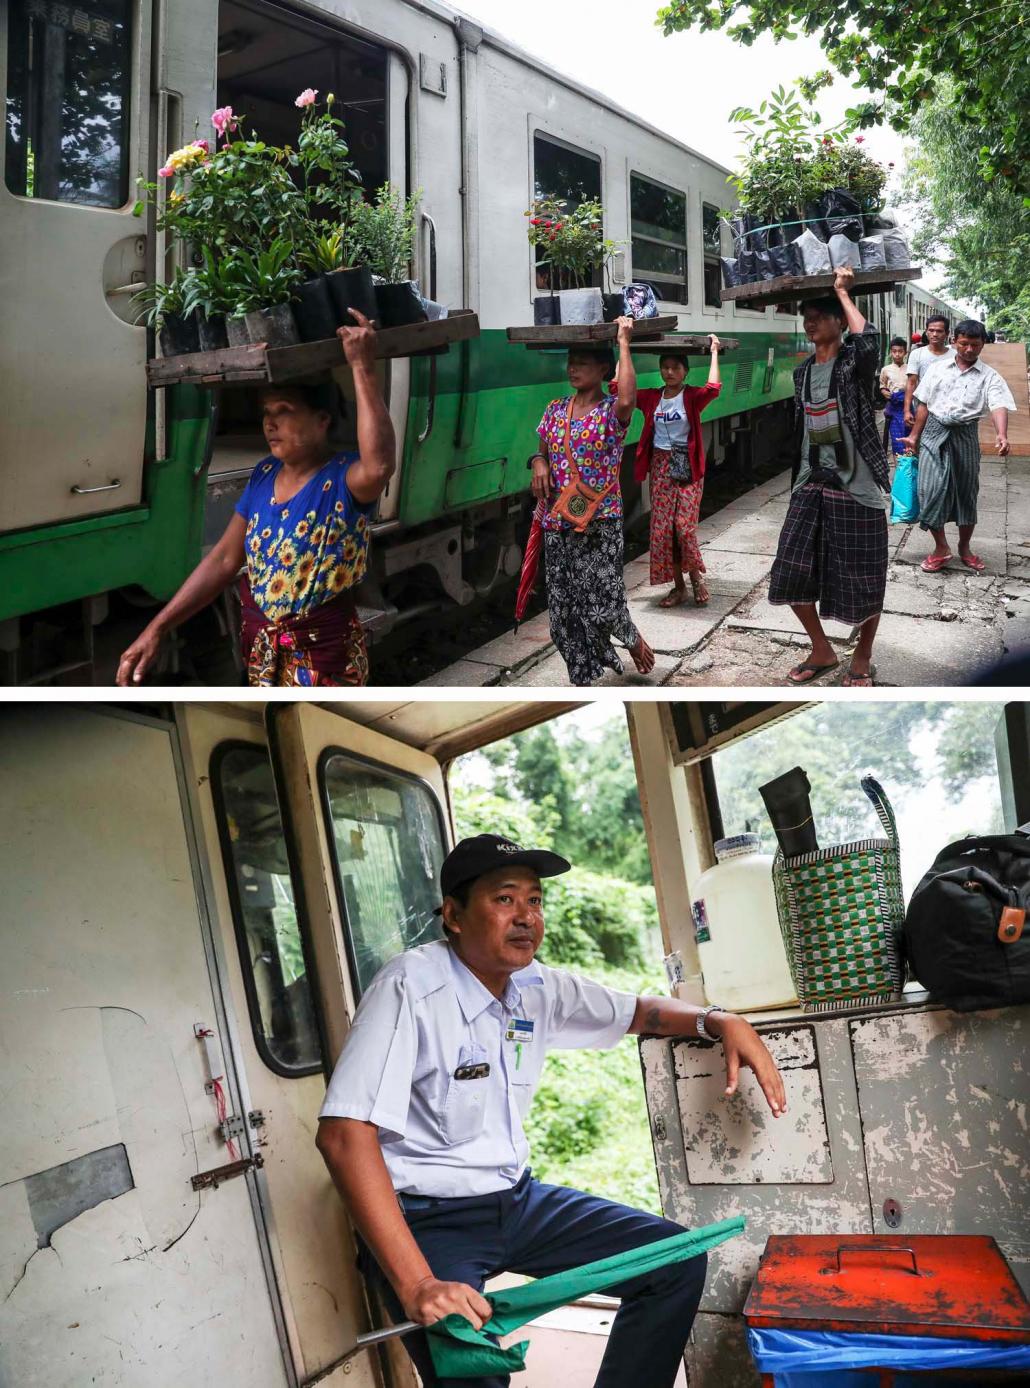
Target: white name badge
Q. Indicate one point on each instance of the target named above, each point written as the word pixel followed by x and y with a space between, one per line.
pixel 519 1031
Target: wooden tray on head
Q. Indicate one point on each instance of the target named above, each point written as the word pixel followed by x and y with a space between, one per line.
pixel 264 366
pixel 566 335
pixel 694 343
pixel 785 288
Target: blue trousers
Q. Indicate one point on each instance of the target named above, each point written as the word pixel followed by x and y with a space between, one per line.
pixel 536 1229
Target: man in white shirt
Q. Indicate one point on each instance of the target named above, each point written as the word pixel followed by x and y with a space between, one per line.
pixel 421 1128
pixel 922 358
pixel 951 398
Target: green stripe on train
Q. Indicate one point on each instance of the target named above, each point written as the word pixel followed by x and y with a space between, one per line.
pixel 469 446
pixel 489 396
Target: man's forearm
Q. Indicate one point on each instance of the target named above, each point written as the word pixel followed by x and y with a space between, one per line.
pixel 853 315
pixel 919 424
pixel 667 1017
pixel 352 1153
pixel 1001 423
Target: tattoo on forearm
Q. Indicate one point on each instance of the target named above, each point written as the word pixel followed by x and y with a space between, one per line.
pixel 651 1018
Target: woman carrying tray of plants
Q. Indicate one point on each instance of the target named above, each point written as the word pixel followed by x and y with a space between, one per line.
pixel 302 530
pixel 672 450
pixel 576 476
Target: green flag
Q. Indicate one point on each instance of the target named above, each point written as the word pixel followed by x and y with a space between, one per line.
pixel 459 1351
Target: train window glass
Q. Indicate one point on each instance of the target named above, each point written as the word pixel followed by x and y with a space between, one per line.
pixel 388 846
pixel 711 241
pixel 899 296
pixel 659 224
pixel 275 975
pixel 69 73
pixel 936 761
pixel 559 171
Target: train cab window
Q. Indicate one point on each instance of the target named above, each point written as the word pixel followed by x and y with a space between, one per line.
pixel 69 75
pixel 560 171
pixel 658 217
pixel 711 242
pixel 275 975
pixel 386 833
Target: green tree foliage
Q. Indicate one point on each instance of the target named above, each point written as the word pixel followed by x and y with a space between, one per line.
pixel 900 52
pixel 979 236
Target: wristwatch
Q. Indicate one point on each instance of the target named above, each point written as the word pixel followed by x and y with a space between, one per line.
pixel 702 1030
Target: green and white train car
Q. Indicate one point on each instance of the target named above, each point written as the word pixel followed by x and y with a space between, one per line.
pixel 110 488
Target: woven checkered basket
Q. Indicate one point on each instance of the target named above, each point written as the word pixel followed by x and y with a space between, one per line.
pixel 841 911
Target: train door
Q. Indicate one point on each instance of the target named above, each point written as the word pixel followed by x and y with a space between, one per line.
pixel 80 128
pixel 271 981
pixel 128 1253
pixel 268 55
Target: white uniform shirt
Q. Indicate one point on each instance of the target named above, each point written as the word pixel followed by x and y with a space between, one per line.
pixel 424 1015
pixel 671 425
pixel 921 359
pixel 955 396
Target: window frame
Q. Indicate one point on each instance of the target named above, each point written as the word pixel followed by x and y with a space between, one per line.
pixel 324 757
pixel 540 132
pixel 290 1072
pixel 646 276
pixel 132 146
pixel 711 258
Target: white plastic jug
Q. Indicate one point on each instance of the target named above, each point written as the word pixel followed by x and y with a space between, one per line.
pixel 738 931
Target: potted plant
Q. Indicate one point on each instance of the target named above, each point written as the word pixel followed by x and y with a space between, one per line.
pixel 573 247
pixel 346 286
pixel 313 305
pixel 262 286
pixel 209 299
pixel 382 236
pixel 166 308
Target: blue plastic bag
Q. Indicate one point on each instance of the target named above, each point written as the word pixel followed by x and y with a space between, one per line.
pixel 905 491
pixel 825 1358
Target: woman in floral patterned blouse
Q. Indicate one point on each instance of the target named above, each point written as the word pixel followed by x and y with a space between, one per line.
pixel 586 592
pixel 302 528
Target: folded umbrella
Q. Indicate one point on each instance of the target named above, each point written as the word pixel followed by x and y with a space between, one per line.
pixel 530 563
pixel 459 1351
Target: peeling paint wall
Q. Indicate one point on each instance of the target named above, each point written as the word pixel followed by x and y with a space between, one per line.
pixel 924 1106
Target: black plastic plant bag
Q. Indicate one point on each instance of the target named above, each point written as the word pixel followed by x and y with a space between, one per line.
pixel 879 221
pixel 814 220
pixel 841 213
pixel 785 259
pixel 730 272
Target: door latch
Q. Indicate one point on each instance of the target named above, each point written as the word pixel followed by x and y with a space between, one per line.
pixel 218 1174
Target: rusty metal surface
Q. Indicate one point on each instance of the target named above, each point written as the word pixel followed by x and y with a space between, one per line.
pixel 943 1098
pixel 949 1286
pixel 737 1141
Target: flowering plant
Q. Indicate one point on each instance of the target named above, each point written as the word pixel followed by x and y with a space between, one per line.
pixel 328 178
pixel 382 234
pixel 572 242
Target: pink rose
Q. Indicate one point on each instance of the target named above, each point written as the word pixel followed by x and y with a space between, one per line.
pixel 859 139
pixel 202 144
pixel 223 120
pixel 307 97
pixel 166 172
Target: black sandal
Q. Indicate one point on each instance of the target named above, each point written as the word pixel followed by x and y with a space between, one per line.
pixel 810 671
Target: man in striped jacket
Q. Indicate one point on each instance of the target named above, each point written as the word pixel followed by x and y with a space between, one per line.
pixel 833 545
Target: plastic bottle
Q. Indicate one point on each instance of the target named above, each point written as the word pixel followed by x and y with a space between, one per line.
pixel 737 929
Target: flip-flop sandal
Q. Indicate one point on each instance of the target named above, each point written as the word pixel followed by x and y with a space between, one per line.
pixel 933 564
pixel 974 562
pixel 853 680
pixel 811 672
pixel 676 599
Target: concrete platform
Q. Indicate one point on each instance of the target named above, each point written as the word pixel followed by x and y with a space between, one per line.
pixel 937 629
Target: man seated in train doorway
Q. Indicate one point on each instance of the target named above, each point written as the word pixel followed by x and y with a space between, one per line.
pixel 933 348
pixel 950 400
pixel 833 545
pixel 422 1130
pixel 302 528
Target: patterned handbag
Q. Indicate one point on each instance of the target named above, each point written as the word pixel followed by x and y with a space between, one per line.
pixel 841 911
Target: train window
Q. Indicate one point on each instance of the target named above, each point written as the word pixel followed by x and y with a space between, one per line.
pixel 386 833
pixel 69 70
pixel 559 171
pixel 659 223
pixel 275 973
pixel 711 242
pixel 899 296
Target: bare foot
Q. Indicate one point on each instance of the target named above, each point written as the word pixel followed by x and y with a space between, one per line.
pixel 643 656
pixel 674 598
pixel 701 593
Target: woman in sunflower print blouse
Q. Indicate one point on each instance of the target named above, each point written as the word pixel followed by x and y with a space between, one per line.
pixel 302 529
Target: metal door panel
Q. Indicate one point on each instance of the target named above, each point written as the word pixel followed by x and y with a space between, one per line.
pixel 943 1099
pixel 311 1240
pixel 113 1267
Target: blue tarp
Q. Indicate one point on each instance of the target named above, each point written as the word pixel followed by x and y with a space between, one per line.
pixel 814 1358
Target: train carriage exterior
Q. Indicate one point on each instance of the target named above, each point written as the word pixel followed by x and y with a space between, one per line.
pixel 108 488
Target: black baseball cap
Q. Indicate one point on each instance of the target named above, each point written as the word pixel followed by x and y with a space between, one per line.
pixel 473 857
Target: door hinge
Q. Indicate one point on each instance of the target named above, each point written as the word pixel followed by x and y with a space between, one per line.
pixel 215 1177
pixel 233 1126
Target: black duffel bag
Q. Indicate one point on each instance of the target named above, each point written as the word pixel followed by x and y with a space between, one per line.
pixel 966 936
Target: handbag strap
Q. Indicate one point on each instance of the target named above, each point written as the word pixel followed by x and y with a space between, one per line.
pixel 882 806
pixel 567 446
